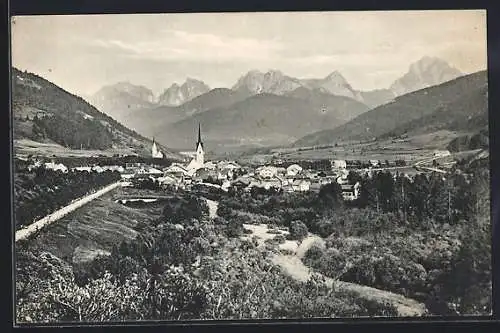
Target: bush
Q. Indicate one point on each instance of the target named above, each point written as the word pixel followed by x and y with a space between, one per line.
pixel 279 239
pixel 298 230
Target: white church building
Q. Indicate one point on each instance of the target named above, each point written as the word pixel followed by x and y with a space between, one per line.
pixel 198 160
pixel 155 151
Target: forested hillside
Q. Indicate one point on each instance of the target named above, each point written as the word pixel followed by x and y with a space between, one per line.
pixel 44 112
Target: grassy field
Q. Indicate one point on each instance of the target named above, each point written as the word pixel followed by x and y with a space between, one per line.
pixel 92 229
pixel 410 149
pixel 25 147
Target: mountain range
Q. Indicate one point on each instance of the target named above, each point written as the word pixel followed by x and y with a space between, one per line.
pixel 426 72
pixel 457 105
pixel 177 95
pixel 260 108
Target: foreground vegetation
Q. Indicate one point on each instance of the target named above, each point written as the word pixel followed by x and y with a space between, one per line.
pixel 41 191
pixel 425 238
pixel 182 266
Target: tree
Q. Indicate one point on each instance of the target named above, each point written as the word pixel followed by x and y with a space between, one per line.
pixel 353 177
pixel 298 230
pixel 330 195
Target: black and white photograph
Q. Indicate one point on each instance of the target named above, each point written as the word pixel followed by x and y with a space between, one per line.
pixel 250 165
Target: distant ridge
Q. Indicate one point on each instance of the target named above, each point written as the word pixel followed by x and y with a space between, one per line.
pixel 452 105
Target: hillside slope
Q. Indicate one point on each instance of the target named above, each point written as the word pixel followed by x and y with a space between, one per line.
pixel 409 108
pixel 265 119
pixel 45 113
pixel 153 121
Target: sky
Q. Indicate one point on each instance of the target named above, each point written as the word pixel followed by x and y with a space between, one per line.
pixel 83 53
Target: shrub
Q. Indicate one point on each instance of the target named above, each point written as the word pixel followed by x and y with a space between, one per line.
pixel 298 230
pixel 279 239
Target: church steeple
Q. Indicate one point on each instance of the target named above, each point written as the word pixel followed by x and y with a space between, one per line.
pixel 199 142
pixel 200 154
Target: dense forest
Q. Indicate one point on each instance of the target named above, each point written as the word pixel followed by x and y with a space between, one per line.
pixel 41 191
pixel 73 133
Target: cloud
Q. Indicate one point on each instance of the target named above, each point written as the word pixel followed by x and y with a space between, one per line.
pixel 185 46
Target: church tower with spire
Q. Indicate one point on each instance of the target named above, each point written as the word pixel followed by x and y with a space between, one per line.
pixel 200 153
pixel 155 152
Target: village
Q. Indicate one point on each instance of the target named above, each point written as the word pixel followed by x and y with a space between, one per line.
pixel 223 175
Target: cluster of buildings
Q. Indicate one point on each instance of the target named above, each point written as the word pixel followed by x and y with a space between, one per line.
pixel 227 174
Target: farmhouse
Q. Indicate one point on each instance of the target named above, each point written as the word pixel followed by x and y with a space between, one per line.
pixel 350 192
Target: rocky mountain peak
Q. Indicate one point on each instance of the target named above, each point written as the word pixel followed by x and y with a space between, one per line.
pixel 426 72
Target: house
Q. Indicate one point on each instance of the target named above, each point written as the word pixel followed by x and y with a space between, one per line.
pixel 280 171
pixel 56 167
pixel 176 169
pixel 128 174
pixel 225 174
pixel 97 169
pixel 113 168
pixel 350 192
pixel 315 186
pixel 269 183
pixel 267 171
pixel 374 163
pixel 441 153
pixel 167 180
pixel 228 165
pixel 339 164
pixel 301 185
pixel 85 168
pixel 210 165
pixel 205 173
pixel 293 170
pixel 342 180
pixel 154 172
pixel 226 184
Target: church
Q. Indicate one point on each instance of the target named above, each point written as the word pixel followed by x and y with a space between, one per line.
pixel 198 160
pixel 155 151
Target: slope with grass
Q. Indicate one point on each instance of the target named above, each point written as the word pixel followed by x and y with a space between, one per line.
pixel 465 96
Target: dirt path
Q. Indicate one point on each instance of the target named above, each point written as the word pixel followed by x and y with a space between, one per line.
pixel 51 218
pixel 293 266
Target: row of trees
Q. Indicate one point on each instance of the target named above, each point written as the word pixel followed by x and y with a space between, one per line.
pixel 444 199
pixel 44 191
